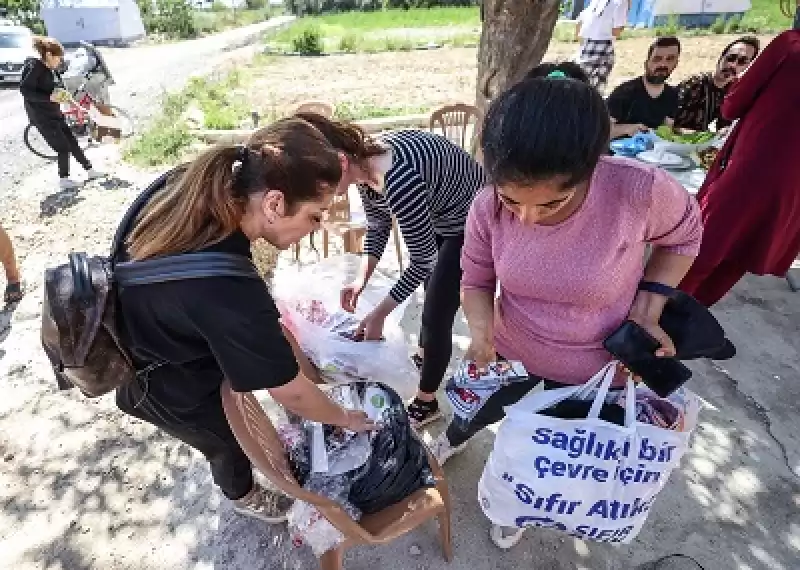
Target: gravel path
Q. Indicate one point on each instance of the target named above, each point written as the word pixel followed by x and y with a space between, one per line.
pixel 142 75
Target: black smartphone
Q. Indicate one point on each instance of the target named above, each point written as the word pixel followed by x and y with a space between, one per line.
pixel 635 348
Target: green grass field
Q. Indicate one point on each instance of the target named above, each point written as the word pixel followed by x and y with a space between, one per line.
pixel 212 21
pixel 390 30
pixel 384 30
pixel 389 19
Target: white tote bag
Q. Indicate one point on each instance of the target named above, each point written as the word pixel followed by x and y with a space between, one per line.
pixel 587 477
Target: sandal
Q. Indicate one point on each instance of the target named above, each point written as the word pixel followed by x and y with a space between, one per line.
pixel 422 413
pixel 13 293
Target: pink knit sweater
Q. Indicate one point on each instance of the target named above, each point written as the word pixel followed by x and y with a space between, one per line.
pixel 565 288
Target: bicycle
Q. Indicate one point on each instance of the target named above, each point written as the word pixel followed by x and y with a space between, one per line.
pixel 81 116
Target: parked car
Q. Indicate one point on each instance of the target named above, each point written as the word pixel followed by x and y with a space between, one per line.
pixel 16 45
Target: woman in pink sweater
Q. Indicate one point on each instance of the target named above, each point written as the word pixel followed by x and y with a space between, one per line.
pixel 563 231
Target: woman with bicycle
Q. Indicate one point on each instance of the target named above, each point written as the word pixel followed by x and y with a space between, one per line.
pixel 42 105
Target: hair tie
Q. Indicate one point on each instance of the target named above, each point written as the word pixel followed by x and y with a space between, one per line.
pixel 242 153
pixel 557 74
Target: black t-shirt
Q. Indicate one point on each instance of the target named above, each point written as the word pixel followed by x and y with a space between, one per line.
pixel 630 103
pixel 207 329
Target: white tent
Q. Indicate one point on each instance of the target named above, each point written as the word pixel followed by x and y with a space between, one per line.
pixel 688 13
pixel 112 22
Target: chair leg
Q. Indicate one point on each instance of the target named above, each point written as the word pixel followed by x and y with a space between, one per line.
pixel 332 560
pixel 445 535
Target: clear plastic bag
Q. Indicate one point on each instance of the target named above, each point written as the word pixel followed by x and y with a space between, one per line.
pixel 307 526
pixel 309 301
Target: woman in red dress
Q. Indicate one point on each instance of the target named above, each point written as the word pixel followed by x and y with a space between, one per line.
pixel 751 197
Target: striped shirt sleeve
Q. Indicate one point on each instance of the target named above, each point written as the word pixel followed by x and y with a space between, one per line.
pixel 379 223
pixel 408 199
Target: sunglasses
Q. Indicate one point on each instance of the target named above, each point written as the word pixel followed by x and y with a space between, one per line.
pixel 737 59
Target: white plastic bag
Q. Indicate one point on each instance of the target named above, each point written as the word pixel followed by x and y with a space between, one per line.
pixel 590 478
pixel 338 358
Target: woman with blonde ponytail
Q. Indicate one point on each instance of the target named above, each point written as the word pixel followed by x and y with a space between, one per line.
pixel 191 334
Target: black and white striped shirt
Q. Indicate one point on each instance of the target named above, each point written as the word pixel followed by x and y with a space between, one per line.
pixel 429 188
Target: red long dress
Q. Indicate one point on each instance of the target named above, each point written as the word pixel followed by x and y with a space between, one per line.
pixel 751 208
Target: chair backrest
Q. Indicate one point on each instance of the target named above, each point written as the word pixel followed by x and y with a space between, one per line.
pixel 339 210
pixel 454 122
pixel 260 442
pixel 320 107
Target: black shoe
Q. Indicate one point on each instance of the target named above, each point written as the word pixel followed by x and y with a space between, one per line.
pixel 422 413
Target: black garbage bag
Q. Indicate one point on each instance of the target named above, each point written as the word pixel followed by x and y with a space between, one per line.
pixel 398 465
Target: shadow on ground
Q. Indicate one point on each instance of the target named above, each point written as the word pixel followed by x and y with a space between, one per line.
pixel 85 487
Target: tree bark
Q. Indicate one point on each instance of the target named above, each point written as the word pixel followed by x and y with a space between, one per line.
pixel 514 39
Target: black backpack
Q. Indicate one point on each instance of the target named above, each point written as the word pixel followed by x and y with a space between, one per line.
pixel 79 311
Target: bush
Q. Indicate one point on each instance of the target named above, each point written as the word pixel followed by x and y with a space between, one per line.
pixel 316 7
pixel 348 43
pixel 172 18
pixel 308 41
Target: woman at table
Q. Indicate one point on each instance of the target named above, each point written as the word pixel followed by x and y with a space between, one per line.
pixel 751 197
pixel 428 183
pixel 562 229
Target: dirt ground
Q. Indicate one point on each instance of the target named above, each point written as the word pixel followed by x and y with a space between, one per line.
pixel 399 80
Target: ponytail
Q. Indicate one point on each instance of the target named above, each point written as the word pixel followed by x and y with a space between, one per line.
pixel 44 45
pixel 346 137
pixel 205 200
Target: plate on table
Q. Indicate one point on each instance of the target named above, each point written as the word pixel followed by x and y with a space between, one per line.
pixel 665 160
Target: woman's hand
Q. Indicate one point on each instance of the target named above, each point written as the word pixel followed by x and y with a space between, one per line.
pixel 358 421
pixel 371 328
pixel 349 295
pixel 646 312
pixel 482 352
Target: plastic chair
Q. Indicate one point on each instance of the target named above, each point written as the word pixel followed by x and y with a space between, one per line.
pixel 339 223
pixel 319 107
pixel 260 442
pixel 454 122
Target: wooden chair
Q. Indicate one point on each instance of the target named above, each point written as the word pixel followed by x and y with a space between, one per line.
pixel 340 223
pixel 257 436
pixel 320 107
pixel 454 121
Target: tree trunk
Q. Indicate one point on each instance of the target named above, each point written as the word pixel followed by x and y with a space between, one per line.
pixel 514 39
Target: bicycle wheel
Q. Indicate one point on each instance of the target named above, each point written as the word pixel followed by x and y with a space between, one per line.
pixel 36 143
pixel 38 146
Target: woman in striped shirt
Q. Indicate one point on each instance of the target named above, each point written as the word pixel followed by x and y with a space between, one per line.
pixel 428 183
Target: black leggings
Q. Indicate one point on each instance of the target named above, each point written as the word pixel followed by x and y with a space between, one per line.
pixel 206 430
pixel 459 432
pixel 442 300
pixel 61 139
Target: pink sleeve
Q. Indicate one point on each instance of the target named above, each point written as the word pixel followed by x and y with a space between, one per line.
pixel 477 263
pixel 673 219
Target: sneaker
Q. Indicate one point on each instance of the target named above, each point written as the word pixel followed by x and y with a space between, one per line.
pixel 442 450
pixel 506 537
pixel 263 504
pixel 422 413
pixel 93 174
pixel 67 184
